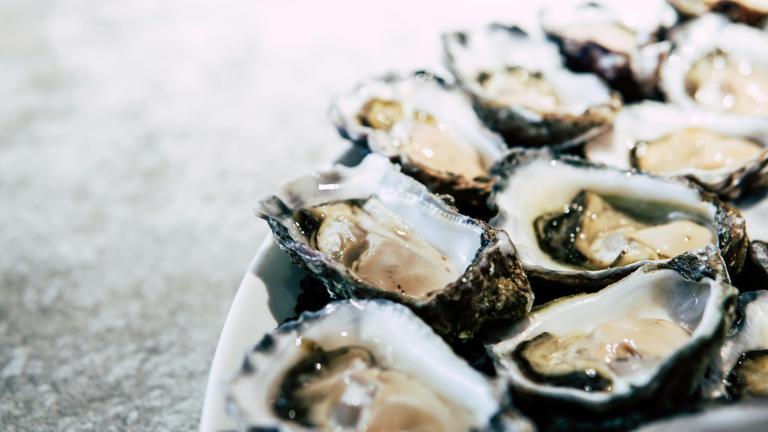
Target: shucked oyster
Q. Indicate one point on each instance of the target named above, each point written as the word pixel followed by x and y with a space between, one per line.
pixel 617 40
pixel 752 12
pixel 720 66
pixel 522 90
pixel 360 366
pixel 646 339
pixel 743 362
pixel 585 225
pixel 725 154
pixel 370 231
pixel 429 128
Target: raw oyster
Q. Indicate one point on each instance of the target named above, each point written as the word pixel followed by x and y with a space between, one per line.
pixel 617 40
pixel 718 65
pixel 743 364
pixel 360 365
pixel 522 90
pixel 752 12
pixel 429 128
pixel 370 231
pixel 723 153
pixel 582 225
pixel 644 340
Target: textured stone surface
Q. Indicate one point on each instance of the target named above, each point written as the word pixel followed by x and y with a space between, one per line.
pixel 135 137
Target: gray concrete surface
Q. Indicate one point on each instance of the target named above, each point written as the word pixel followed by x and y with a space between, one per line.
pixel 135 138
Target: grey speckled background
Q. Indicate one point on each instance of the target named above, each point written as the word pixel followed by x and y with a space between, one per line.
pixel 135 137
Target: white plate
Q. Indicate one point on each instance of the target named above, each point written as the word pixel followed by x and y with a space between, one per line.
pixel 267 296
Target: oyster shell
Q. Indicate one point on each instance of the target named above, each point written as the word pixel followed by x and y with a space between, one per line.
pixel 617 40
pixel 580 225
pixel 756 267
pixel 752 12
pixel 645 340
pixel 725 154
pixel 743 362
pixel 428 127
pixel 522 90
pixel 372 232
pixel 718 65
pixel 360 365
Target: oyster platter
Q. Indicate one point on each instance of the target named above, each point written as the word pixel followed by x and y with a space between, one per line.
pixel 568 230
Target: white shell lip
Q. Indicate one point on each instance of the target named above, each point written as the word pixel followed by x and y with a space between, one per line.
pixel 620 299
pixel 555 183
pixel 397 338
pixel 649 121
pixel 422 91
pixel 698 38
pixel 496 46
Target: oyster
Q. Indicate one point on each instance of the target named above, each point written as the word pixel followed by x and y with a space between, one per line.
pixel 743 362
pixel 617 40
pixel 370 231
pixel 723 153
pixel 581 225
pixel 752 12
pixel 646 339
pixel 360 365
pixel 720 66
pixel 522 90
pixel 429 128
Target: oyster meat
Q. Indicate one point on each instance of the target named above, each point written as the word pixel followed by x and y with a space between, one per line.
pixel 357 366
pixel 723 153
pixel 617 40
pixel 647 338
pixel 370 231
pixel 588 225
pixel 720 66
pixel 428 127
pixel 522 90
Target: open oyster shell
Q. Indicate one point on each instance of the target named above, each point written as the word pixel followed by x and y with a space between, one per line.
pixel 360 365
pixel 522 90
pixel 718 65
pixel 644 341
pixel 741 371
pixel 723 153
pixel 579 226
pixel 617 40
pixel 428 127
pixel 372 232
pixel 752 12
